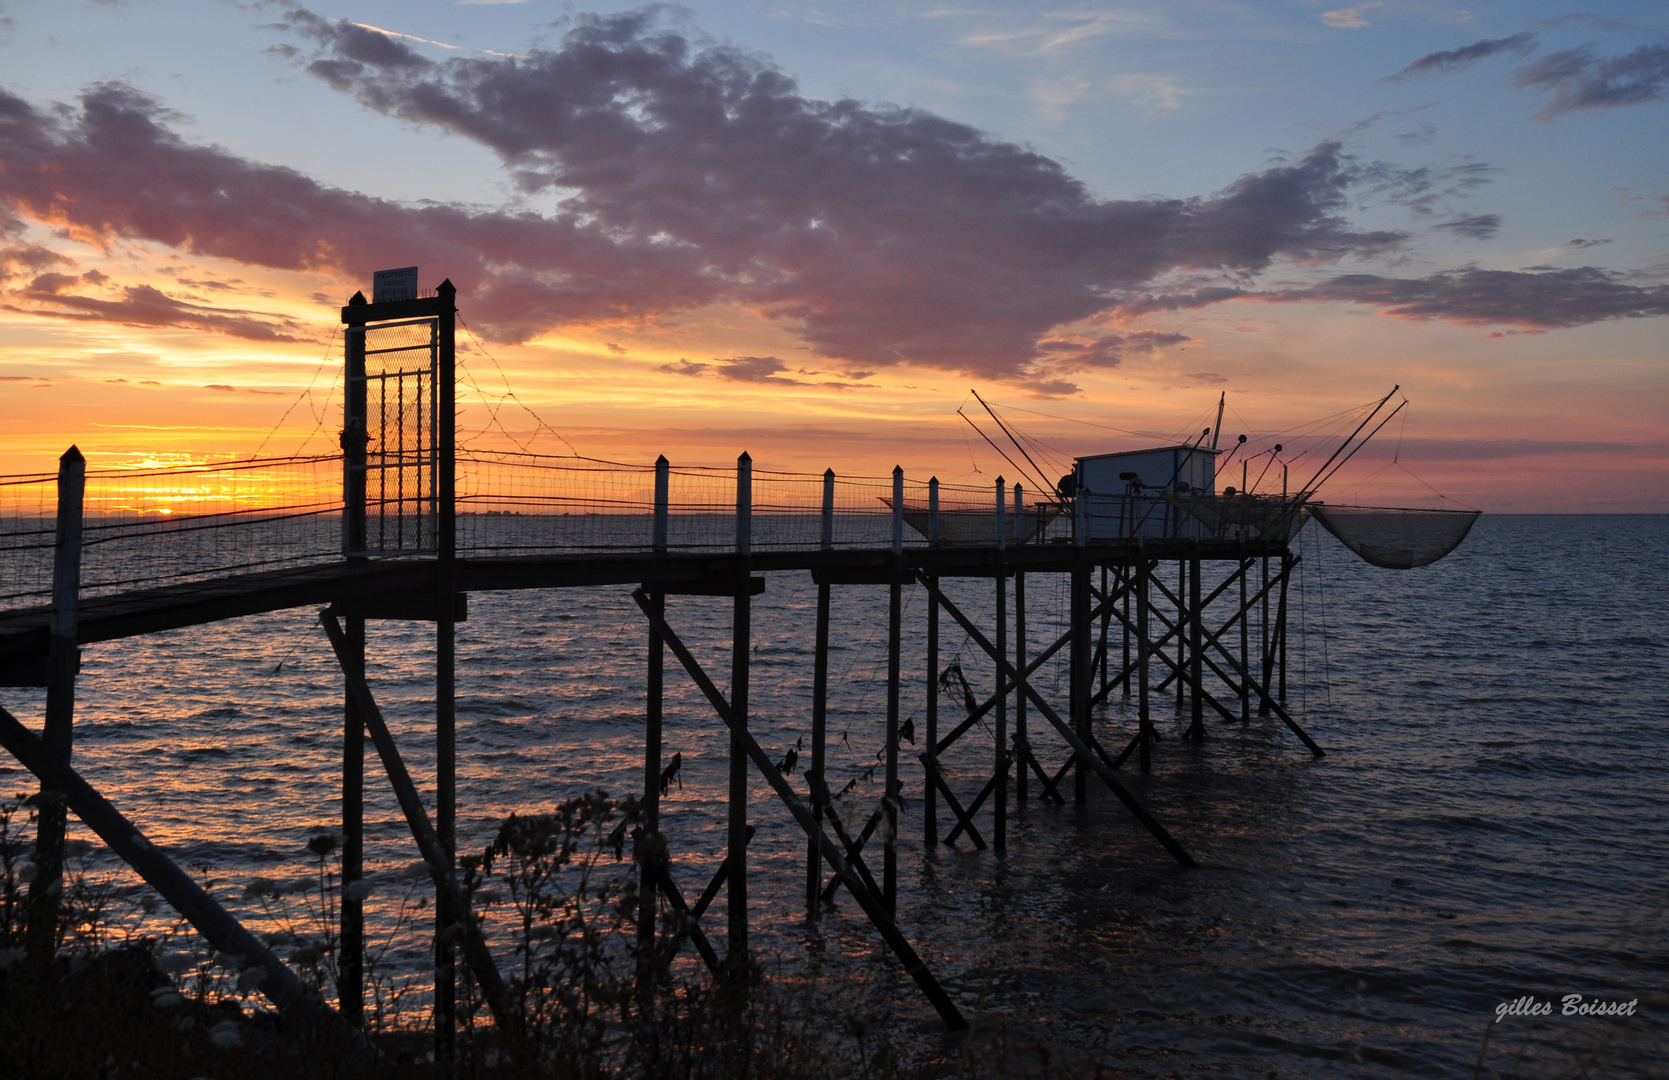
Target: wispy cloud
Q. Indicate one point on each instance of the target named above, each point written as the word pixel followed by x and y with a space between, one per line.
pixel 1580 80
pixel 1533 299
pixel 1350 18
pixel 1475 227
pixel 1056 31
pixel 1450 61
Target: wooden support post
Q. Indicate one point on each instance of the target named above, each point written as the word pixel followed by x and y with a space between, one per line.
pixel 820 696
pixel 1245 680
pixel 428 841
pixel 1265 656
pixel 1126 571
pixel 740 643
pixel 836 857
pixel 1083 750
pixel 443 402
pixel 1287 563
pixel 1080 692
pixel 1020 776
pixel 350 963
pixel 1144 721
pixel 58 733
pixel 930 792
pixel 895 645
pixel 654 703
pixel 350 966
pixel 1196 729
pixel 999 765
pixel 653 715
pixel 1021 735
pixel 1181 614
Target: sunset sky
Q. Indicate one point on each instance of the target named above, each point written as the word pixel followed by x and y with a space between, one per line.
pixel 808 230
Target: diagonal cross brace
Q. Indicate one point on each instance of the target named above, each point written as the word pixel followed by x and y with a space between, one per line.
pixel 1214 641
pixel 963 817
pixel 866 899
pixel 447 895
pixel 1031 666
pixel 1149 822
pixel 218 927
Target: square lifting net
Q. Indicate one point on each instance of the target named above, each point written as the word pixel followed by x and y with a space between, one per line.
pixel 401 455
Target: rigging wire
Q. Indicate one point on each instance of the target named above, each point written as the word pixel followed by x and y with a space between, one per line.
pixel 330 347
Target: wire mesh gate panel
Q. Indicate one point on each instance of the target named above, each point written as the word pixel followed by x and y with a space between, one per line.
pixel 402 439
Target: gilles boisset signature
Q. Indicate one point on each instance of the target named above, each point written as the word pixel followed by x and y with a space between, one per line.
pixel 1572 1005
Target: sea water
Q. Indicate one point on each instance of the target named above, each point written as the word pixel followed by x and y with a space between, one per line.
pixel 1489 824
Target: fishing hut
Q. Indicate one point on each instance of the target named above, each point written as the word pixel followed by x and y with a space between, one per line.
pixel 1172 587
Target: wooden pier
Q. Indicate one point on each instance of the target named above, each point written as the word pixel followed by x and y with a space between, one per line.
pixel 1216 639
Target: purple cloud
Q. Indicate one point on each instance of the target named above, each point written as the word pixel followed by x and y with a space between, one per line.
pixel 1475 227
pixel 1452 60
pixel 1581 81
pixel 1534 300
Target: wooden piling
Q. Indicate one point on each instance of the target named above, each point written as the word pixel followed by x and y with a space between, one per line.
pixel 1144 721
pixel 445 413
pixel 654 695
pixel 999 765
pixel 1181 614
pixel 1196 728
pixel 930 794
pixel 58 734
pixel 820 697
pixel 1245 677
pixel 1020 733
pixel 895 645
pixel 350 964
pixel 740 643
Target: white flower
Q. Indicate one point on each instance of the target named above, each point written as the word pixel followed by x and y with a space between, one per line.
pixel 250 978
pixel 357 890
pixel 165 997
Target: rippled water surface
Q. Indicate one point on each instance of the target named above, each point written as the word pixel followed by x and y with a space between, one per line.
pixel 1490 821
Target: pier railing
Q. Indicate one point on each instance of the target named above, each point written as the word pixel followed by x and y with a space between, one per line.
pixel 163 524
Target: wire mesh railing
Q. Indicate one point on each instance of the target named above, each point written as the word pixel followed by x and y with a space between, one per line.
pixel 157 526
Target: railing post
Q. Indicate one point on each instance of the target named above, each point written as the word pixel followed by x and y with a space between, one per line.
pixel 741 637
pixel 63 661
pixel 820 698
pixel 354 434
pixel 663 483
pixel 933 512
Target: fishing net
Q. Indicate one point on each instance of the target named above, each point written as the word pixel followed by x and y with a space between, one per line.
pixel 1396 539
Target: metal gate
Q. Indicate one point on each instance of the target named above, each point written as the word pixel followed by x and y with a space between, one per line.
pixel 400 466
